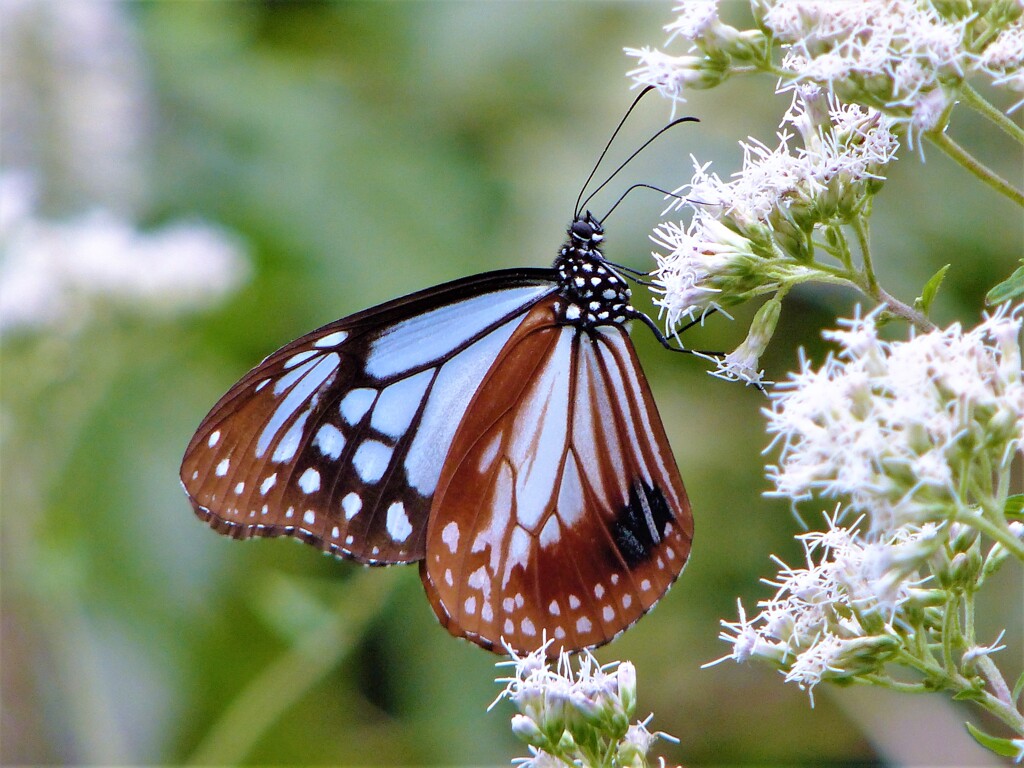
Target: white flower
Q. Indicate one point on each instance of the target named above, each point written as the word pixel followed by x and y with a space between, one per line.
pixel 565 703
pixel 1019 746
pixel 671 75
pixel 54 274
pixel 741 364
pixel 77 106
pixel 893 426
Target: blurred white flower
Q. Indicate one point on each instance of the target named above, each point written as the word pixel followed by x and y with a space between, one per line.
pixel 77 107
pixel 55 274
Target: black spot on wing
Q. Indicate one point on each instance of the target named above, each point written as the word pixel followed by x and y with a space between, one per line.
pixel 640 526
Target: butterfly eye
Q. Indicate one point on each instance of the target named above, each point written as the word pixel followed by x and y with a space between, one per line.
pixel 581 230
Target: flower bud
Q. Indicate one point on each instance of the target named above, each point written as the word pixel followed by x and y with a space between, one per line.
pixel 527 730
pixel 626 678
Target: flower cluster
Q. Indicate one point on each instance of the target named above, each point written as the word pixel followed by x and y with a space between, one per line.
pixel 916 440
pixel 576 718
pixel 907 58
pixel 906 432
pixel 860 76
pixel 56 273
pixel 751 235
pixel 859 603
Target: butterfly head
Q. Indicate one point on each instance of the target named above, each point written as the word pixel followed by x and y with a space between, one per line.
pixel 585 231
pixel 592 292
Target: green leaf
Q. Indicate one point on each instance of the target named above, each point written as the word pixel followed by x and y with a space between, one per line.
pixel 1004 747
pixel 1010 288
pixel 1018 687
pixel 1015 506
pixel 931 288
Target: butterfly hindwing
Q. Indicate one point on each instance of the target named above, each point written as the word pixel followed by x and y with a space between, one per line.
pixel 338 438
pixel 559 510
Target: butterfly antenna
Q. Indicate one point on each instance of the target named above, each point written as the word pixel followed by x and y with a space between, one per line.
pixel 626 162
pixel 638 186
pixel 604 152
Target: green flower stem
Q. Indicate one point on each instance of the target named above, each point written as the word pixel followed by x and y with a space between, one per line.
pixel 995 532
pixel 980 104
pixel 285 681
pixel 860 228
pixel 895 685
pixel 949 617
pixel 956 683
pixel 982 172
pixel 991 672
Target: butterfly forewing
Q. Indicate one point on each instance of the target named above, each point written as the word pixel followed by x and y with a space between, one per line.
pixel 559 511
pixel 339 437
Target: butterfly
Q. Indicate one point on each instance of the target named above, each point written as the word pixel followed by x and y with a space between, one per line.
pixel 498 430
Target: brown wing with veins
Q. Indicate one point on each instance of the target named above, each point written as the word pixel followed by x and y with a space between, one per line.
pixel 559 511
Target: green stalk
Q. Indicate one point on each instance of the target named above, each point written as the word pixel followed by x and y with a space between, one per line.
pixel 981 171
pixel 980 104
pixel 283 682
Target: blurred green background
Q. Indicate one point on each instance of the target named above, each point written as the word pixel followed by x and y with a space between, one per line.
pixel 355 152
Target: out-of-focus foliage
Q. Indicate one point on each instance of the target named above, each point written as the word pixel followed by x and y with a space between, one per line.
pixel 359 151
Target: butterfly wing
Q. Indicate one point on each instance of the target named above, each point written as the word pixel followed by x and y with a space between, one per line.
pixel 338 438
pixel 559 510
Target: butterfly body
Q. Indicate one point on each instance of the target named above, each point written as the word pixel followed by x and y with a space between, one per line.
pixel 497 429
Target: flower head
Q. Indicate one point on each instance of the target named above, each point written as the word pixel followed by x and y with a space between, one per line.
pixel 565 707
pixel 56 273
pixel 896 427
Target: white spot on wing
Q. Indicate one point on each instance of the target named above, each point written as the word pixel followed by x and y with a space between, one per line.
pixel 268 483
pixel 553 608
pixel 356 403
pixel 583 624
pixel 289 444
pixel 574 602
pixel 223 467
pixel 599 591
pixel 398 522
pixel 309 517
pixel 240 487
pixel 301 357
pixel 490 453
pixel 331 339
pixel 450 536
pixel 471 605
pixel 398 403
pixel 518 553
pixel 371 460
pixel 528 628
pixel 351 504
pixel 627 600
pixel 214 437
pixel 310 481
pixel 329 441
pixel 537 445
pixel 608 613
pixel 551 532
